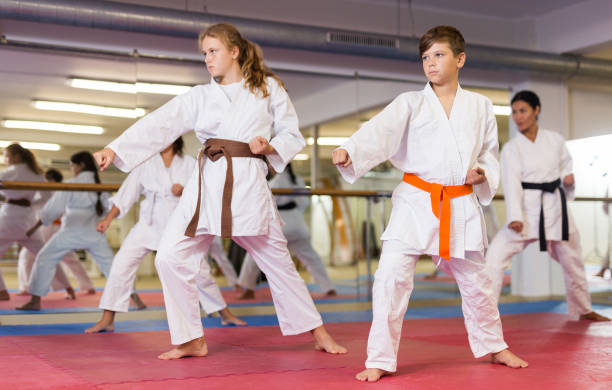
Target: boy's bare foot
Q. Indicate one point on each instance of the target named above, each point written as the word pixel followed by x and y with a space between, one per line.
pixel 196 347
pixel 331 293
pixel 324 342
pixel 371 375
pixel 106 324
pixel 91 291
pixel 507 358
pixel 32 304
pixel 22 293
pixel 228 318
pixel 4 295
pixel 238 288
pixel 247 294
pixel 593 316
pixel 70 293
pixel 140 305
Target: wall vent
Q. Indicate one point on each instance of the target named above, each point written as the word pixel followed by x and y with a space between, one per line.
pixel 357 39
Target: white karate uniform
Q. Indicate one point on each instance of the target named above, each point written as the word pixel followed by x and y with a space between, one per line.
pixel 218 254
pixel 297 234
pixel 414 133
pixel 16 220
pixel 227 112
pixel 77 231
pixel 153 180
pixel 544 160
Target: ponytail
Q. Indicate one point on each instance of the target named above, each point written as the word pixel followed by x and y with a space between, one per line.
pixel 250 59
pixel 291 174
pixel 25 156
pixel 89 164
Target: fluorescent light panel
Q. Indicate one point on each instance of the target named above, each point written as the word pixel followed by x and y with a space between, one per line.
pixel 301 157
pixel 142 87
pixel 51 126
pixel 502 110
pixel 32 145
pixel 327 141
pixel 90 109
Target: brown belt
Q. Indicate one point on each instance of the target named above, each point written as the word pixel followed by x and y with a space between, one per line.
pixel 19 202
pixel 214 149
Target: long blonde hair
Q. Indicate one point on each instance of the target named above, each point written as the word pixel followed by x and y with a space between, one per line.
pixel 250 58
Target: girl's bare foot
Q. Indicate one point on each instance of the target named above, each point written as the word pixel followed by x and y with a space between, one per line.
pixel 331 293
pixel 507 358
pixel 106 324
pixel 371 375
pixel 32 304
pixel 324 342
pixel 247 294
pixel 4 295
pixel 592 316
pixel 140 305
pixel 196 347
pixel 91 291
pixel 228 318
pixel 70 293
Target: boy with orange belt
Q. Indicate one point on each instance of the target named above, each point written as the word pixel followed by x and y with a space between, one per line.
pixel 445 140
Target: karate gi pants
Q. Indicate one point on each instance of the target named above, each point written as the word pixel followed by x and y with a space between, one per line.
pixel 302 249
pixel 32 243
pixel 218 254
pixel 60 281
pixel 57 247
pixel 508 243
pixel 178 263
pixel 393 284
pixel 116 296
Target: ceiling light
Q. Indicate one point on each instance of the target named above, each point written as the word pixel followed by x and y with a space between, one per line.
pixel 114 86
pixel 301 157
pixel 502 110
pixel 32 145
pixel 50 126
pixel 328 141
pixel 90 109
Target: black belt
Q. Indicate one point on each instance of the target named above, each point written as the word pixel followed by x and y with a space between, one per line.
pixel 19 202
pixel 550 187
pixel 287 206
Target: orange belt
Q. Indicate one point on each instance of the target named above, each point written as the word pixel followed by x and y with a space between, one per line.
pixel 214 149
pixel 438 193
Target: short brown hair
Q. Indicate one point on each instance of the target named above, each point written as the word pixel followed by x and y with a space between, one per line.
pixel 448 34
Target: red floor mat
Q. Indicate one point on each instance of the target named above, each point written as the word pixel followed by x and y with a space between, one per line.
pixel 433 355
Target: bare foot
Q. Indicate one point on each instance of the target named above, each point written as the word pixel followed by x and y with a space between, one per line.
pixel 70 293
pixel 91 291
pixel 22 293
pixel 331 293
pixel 101 326
pixel 506 357
pixel 196 347
pixel 238 288
pixel 32 304
pixel 592 316
pixel 228 318
pixel 4 295
pixel 324 342
pixel 247 294
pixel 371 375
pixel 140 305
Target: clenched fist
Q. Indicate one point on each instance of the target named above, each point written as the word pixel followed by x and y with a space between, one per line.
pixel 341 158
pixel 104 157
pixel 260 145
pixel 475 176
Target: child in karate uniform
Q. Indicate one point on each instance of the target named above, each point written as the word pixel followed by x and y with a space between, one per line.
pixel 242 115
pixel 445 140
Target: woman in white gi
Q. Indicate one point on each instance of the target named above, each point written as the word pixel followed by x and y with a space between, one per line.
pixel 445 140
pixel 161 180
pixel 537 178
pixel 60 280
pixel 16 212
pixel 291 209
pixel 234 116
pixel 80 212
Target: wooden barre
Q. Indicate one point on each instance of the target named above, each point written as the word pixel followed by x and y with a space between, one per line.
pixel 42 186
